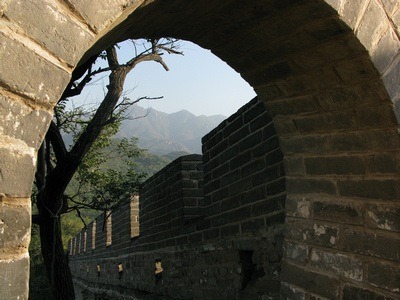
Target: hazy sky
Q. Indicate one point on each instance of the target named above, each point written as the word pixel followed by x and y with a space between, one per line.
pixel 198 82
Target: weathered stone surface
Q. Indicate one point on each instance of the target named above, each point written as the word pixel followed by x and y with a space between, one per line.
pixel 391 80
pixel 391 6
pixel 334 165
pixel 298 207
pixel 310 185
pixel 371 26
pixel 22 122
pixel 100 14
pixel 14 280
pixel 372 244
pixel 294 165
pixel 15 225
pixel 312 233
pixel 372 189
pixel 38 85
pixel 353 292
pixel 336 263
pixel 386 276
pixel 35 16
pixel 340 212
pixel 383 217
pixel 296 252
pixel 16 173
pixel 289 291
pixel 386 51
pixel 384 164
pixel 319 284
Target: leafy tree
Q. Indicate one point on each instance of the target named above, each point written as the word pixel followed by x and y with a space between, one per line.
pixel 57 165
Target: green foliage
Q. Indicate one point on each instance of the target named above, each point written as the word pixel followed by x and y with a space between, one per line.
pixel 101 182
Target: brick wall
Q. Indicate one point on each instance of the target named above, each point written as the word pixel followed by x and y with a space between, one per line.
pixel 221 238
pixel 327 58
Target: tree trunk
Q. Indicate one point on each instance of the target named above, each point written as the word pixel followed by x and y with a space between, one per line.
pixel 54 257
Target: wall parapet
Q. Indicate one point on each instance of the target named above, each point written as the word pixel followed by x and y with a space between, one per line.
pixel 202 215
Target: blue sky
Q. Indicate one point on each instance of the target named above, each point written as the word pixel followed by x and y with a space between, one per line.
pixel 198 81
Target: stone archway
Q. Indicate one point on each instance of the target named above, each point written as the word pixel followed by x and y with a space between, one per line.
pixel 328 72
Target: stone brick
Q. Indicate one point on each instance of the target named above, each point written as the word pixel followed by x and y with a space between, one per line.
pixel 351 11
pixel 274 153
pixel 290 292
pixel 250 141
pixel 269 174
pixel 293 106
pixel 356 95
pixel 327 30
pixel 210 234
pixel 15 224
pixel 268 206
pixel 231 203
pixel 312 233
pixel 334 165
pixel 218 148
pixel 285 126
pixel 386 276
pixel 212 185
pixel 334 3
pixel 336 263
pixel 35 17
pixel 269 92
pixel 322 285
pixel 16 172
pixel 240 160
pixel 276 186
pixel 353 292
pixel 370 189
pixel 296 252
pixel 371 244
pixel 15 279
pixel 294 165
pixel 384 164
pixel 386 50
pixel 98 13
pixel 22 122
pixel 233 126
pixel 356 70
pixel 298 207
pixel 304 186
pixel 279 70
pixel 253 195
pixel 390 6
pixel 391 80
pixel 254 166
pixel 239 135
pixel 383 217
pixel 230 230
pixel 40 86
pixel 338 212
pixel 373 23
pixel 230 178
pixel 253 226
pixel 261 121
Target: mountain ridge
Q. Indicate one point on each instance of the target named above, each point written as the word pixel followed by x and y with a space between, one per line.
pixel 163 133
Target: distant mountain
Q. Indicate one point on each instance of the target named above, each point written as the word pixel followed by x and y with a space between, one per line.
pixel 163 133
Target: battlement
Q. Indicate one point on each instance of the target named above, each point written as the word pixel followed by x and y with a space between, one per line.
pixel 228 203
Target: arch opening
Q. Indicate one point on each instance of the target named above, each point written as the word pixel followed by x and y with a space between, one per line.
pixel 328 77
